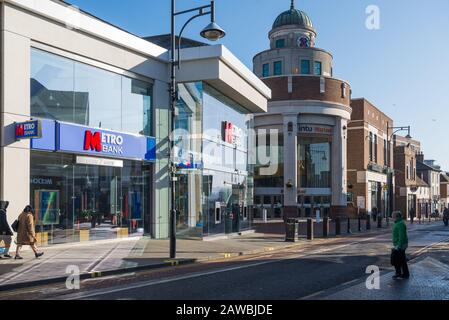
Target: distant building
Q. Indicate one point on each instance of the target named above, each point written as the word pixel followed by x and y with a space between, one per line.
pixel 444 190
pixel 406 180
pixel 430 173
pixel 370 160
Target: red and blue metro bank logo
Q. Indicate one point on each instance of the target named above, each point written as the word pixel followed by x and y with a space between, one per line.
pixel 103 142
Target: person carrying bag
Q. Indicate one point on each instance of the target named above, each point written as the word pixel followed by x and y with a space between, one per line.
pixel 5 232
pixel 26 234
pixel 400 243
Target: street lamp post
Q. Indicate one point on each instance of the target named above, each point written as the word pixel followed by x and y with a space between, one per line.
pixel 211 32
pixel 391 172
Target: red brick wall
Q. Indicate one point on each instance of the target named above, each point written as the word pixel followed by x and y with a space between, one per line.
pixel 307 88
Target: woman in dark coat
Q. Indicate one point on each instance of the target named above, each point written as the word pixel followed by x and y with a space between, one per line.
pixel 26 235
pixel 5 231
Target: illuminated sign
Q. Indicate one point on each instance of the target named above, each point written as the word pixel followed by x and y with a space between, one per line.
pixel 100 142
pixel 232 134
pixel 315 129
pixel 103 142
pixel 28 130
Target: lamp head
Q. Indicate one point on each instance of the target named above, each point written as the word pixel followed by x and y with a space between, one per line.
pixel 213 32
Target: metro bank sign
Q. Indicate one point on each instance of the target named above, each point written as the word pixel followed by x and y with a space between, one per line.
pixel 103 142
pixel 100 142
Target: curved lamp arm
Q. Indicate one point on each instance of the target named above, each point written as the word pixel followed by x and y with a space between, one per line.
pixel 178 62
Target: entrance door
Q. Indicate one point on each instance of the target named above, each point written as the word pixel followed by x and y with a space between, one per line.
pixel 97 199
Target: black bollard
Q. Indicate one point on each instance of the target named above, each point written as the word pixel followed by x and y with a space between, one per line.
pixel 337 226
pixel 360 224
pixel 368 223
pixel 349 226
pixel 309 229
pixel 325 227
pixel 379 222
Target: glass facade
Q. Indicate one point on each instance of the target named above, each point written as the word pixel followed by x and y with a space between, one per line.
pixel 75 201
pixel 214 188
pixel 314 161
pixel 269 169
pixel 71 91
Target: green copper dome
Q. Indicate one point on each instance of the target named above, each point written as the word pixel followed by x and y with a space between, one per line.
pixel 293 16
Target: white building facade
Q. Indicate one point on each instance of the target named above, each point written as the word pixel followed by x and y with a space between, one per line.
pixel 97 166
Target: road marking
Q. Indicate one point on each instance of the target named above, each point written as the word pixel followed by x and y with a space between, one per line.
pixel 311 295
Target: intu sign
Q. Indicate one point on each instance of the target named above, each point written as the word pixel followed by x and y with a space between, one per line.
pixel 315 129
pixel 28 130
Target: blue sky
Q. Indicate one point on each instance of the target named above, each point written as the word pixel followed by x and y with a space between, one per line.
pixel 402 68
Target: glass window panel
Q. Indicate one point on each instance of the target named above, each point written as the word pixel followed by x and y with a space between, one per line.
pixel 266 70
pixel 314 163
pixel 52 86
pixel 136 106
pixel 318 68
pixel 305 67
pixel 277 68
pixel 100 105
pixel 280 43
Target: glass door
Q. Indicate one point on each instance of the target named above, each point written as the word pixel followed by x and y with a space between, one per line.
pixel 97 200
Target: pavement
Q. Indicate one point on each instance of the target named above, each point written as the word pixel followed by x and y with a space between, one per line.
pixel 429 280
pixel 106 257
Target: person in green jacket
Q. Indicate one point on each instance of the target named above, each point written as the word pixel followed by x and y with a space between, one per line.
pixel 400 243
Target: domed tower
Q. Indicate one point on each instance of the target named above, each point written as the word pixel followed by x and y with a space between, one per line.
pixel 310 109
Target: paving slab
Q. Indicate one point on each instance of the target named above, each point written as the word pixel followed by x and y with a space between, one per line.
pixel 429 280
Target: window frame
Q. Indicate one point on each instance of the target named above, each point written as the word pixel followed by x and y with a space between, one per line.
pixel 267 73
pixel 275 65
pixel 308 66
pixel 280 43
pixel 315 64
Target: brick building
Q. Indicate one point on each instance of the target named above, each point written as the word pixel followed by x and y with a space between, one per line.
pixel 310 110
pixel 369 157
pixel 444 190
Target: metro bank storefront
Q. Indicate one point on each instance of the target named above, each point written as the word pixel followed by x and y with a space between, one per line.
pixel 97 165
pixel 91 169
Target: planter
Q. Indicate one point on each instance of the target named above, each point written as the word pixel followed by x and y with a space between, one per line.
pixel 84 235
pixel 42 238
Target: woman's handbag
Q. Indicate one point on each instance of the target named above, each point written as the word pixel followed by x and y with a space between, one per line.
pixel 15 225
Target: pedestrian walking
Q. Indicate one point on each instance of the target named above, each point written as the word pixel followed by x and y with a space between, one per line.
pixel 400 245
pixel 446 216
pixel 374 214
pixel 412 214
pixel 26 234
pixel 5 231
